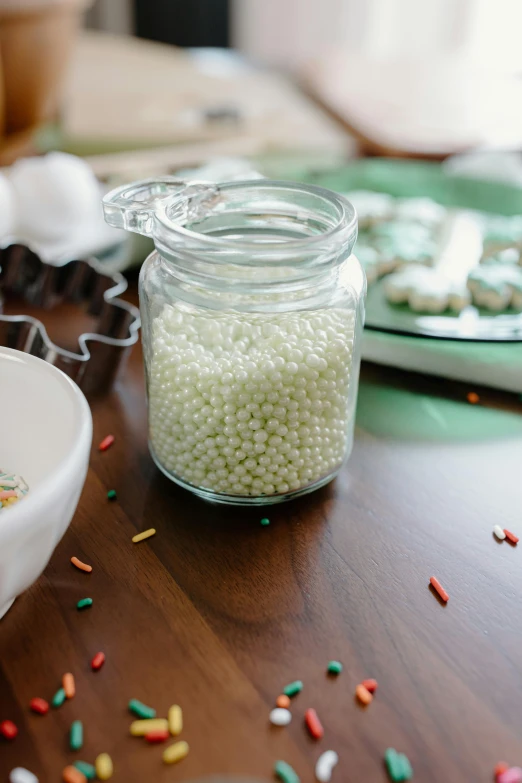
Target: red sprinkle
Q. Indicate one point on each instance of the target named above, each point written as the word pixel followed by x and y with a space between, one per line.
pixel 511 536
pixel 370 685
pixel 500 768
pixel 434 582
pixel 313 724
pixel 39 705
pixel 106 443
pixel 157 736
pixel 98 661
pixel 8 729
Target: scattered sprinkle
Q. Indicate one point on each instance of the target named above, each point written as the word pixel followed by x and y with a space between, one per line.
pixel 511 536
pixel 86 769
pixel 334 667
pixel 175 720
pixel 73 775
pixel 280 717
pixel 69 685
pixel 142 536
pixel 80 565
pixel 141 710
pixel 499 533
pixel 363 695
pixel 8 729
pixel 324 766
pixel 76 735
pixel 370 685
pixel 111 494
pixel 472 398
pixel 500 768
pixel 265 521
pixel 434 582
pixel 140 728
pixel 313 724
pixel 58 698
pixel 84 603
pixel 22 775
pixel 293 688
pixel 283 701
pixel 104 767
pixel 40 706
pixel 285 773
pixel 98 661
pixel 511 775
pixel 398 766
pixel 106 443
pixel 175 752
pixel 157 736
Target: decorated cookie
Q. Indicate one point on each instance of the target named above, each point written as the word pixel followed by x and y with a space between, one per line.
pixel 421 210
pixel 496 287
pixel 425 290
pixel 371 207
pixel 400 243
pixel 501 232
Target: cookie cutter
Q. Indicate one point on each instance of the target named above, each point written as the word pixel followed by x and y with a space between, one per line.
pixel 85 283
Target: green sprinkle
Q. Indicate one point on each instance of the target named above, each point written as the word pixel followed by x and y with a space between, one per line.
pixel 293 688
pixel 141 710
pixel 84 603
pixel 285 772
pixel 76 735
pixel 58 698
pixel 335 667
pixel 111 494
pixel 398 766
pixel 86 769
pixel 265 521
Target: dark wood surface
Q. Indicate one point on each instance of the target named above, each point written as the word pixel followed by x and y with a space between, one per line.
pixel 217 613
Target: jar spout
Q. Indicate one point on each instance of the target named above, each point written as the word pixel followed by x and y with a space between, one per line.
pixel 134 207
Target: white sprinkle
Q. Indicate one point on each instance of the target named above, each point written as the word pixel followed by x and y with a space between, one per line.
pixel 499 532
pixel 22 775
pixel 325 764
pixel 280 717
pixel 8 483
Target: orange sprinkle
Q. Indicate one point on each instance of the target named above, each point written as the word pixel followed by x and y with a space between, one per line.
pixel 313 724
pixel 80 565
pixel 73 775
pixel 106 443
pixel 472 398
pixel 370 685
pixel 511 536
pixel 434 582
pixel 363 695
pixel 283 702
pixel 500 768
pixel 7 493
pixel 69 685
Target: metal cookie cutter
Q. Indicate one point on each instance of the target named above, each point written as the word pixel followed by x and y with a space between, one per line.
pixel 23 275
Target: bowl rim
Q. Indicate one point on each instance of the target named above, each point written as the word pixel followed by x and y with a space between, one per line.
pixel 22 516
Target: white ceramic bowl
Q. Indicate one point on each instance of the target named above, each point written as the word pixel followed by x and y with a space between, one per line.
pixel 45 436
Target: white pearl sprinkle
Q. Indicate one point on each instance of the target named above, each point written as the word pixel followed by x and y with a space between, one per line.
pixel 250 404
pixel 325 764
pixel 497 530
pixel 280 717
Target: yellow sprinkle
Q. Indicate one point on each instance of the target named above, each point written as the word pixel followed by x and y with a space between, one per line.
pixel 175 752
pixel 103 766
pixel 139 728
pixel 142 536
pixel 175 718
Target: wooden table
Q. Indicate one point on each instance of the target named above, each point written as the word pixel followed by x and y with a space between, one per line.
pixel 217 613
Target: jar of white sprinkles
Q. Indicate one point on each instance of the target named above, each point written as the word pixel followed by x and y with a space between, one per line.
pixel 252 306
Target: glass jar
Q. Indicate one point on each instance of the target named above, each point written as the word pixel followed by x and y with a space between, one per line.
pixel 252 307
